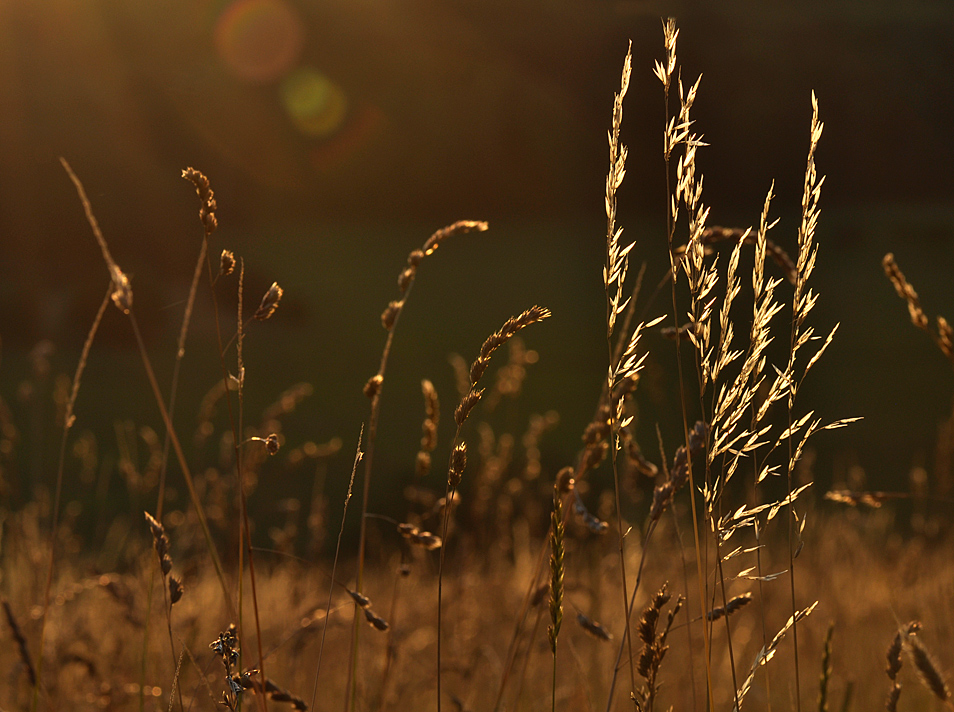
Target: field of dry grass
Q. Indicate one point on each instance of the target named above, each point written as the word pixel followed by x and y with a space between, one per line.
pixel 709 574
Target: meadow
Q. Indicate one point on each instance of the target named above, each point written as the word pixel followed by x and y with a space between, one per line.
pixel 685 568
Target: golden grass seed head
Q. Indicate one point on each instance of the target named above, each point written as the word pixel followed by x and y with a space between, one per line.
pixel 461 226
pixel 122 295
pixel 414 259
pixel 390 314
pixel 269 302
pixel 557 572
pixel 432 405
pixel 564 480
pixel 226 263
pixel 466 405
pixel 373 386
pixel 206 198
pixel 457 465
pixel 406 530
pixel 405 278
pixel 427 540
pixel 422 465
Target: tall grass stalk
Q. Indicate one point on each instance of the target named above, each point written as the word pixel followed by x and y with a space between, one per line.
pixel 373 388
pixel 68 421
pixel 334 567
pixel 122 297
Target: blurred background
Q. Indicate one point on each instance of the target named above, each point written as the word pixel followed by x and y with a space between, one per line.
pixel 337 135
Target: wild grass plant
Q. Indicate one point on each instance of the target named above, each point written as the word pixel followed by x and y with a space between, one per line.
pixel 709 576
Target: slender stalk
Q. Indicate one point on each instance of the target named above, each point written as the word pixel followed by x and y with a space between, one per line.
pixel 373 388
pixel 334 567
pixel 68 421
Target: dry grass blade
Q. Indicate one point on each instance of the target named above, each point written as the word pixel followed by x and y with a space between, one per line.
pixel 21 642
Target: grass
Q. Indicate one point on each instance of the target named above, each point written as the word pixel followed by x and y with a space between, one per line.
pixel 708 575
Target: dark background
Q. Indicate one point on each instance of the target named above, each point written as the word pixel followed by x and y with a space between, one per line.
pixel 338 135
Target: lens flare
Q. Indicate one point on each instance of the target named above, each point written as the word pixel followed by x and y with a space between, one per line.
pixel 259 40
pixel 316 105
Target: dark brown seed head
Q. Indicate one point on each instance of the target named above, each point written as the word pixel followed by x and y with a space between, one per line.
pixel 375 620
pixel 175 590
pixel 360 599
pixel 272 444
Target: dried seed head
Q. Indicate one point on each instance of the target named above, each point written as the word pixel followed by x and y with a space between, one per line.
pixel 426 540
pixel 731 606
pixel 390 314
pixel 269 302
pixel 175 590
pixel 565 481
pixel 122 290
pixel 375 620
pixel 406 530
pixel 422 465
pixel 435 240
pixel 226 263
pixel 593 627
pixel 506 332
pixel 414 259
pixel 457 465
pixel 945 337
pixel 928 670
pixel 466 405
pixel 206 197
pixel 359 598
pixel 405 279
pixel 272 444
pixel 373 386
pixel 556 569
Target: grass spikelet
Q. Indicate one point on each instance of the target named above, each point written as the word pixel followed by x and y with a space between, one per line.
pixel 269 302
pixel 732 605
pixel 513 325
pixel 557 553
pixel 594 628
pixel 557 572
pixel 928 670
pixel 942 336
pixel 654 645
pixel 432 415
pixel 206 198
